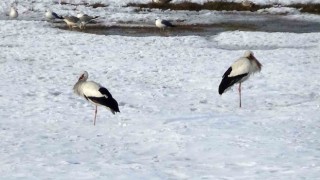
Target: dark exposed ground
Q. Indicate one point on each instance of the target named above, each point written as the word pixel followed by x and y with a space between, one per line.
pixel 268 24
pixel 223 6
pixel 217 6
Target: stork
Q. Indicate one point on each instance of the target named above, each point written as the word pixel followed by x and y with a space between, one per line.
pixel 239 71
pixel 96 94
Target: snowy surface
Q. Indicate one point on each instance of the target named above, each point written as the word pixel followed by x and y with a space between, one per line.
pixel 173 123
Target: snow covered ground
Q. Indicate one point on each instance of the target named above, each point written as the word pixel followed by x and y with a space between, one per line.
pixel 173 123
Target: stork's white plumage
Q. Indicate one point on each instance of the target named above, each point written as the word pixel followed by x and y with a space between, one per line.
pixel 95 93
pixel 239 71
pixel 13 12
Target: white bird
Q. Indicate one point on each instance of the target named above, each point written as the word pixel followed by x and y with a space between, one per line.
pixel 84 19
pixel 239 71
pixel 95 93
pixel 162 24
pixel 247 3
pixel 161 1
pixel 13 12
pixel 71 21
pixel 52 15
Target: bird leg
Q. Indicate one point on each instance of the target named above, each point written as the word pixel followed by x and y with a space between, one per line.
pixel 240 94
pixel 95 116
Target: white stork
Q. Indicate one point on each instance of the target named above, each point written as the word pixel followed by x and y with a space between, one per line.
pixel 239 71
pixel 96 94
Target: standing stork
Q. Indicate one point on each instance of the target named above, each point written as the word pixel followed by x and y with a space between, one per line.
pixel 240 71
pixel 95 93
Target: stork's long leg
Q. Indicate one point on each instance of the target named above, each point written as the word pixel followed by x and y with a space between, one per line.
pixel 240 94
pixel 95 116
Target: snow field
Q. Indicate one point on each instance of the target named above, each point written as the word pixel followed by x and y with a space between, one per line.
pixel 173 123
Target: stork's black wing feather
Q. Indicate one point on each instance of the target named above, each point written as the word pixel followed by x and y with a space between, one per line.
pixel 229 81
pixel 105 92
pixel 227 72
pixel 108 102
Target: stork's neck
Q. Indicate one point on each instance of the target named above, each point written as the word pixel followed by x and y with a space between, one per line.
pixel 77 87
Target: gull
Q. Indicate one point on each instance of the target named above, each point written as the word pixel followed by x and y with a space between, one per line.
pixel 162 24
pixel 247 3
pixel 85 19
pixel 52 15
pixel 161 1
pixel 71 21
pixel 239 72
pixel 82 15
pixel 96 94
pixel 13 12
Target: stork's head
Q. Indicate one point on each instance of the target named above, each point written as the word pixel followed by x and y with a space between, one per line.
pixel 248 53
pixel 84 76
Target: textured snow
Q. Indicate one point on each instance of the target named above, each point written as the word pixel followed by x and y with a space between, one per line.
pixel 173 123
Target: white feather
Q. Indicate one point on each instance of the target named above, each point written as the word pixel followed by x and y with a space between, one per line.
pixel 159 24
pixel 241 66
pixel 91 89
pixel 13 12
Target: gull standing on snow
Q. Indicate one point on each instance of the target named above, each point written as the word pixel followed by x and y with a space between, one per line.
pixel 52 15
pixel 84 19
pixel 161 1
pixel 239 71
pixel 71 21
pixel 247 3
pixel 96 94
pixel 162 24
pixel 13 12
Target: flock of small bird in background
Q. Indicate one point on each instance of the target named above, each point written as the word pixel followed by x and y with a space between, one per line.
pixel 81 20
pixel 95 93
